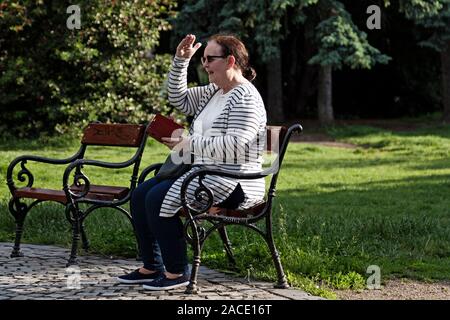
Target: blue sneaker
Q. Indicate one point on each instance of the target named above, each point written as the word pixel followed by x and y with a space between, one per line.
pixel 164 283
pixel 137 277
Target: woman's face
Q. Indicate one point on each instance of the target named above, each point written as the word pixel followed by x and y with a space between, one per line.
pixel 215 63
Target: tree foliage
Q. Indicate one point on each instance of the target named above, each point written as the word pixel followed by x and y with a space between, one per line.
pixel 108 70
pixel 341 42
pixel 52 76
pixel 259 23
pixel 434 16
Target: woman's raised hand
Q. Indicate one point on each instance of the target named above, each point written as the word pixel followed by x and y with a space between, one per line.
pixel 185 48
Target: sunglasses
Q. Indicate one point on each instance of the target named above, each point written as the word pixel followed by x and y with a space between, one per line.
pixel 210 58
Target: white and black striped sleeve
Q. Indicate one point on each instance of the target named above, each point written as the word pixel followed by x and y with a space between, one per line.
pixel 244 121
pixel 184 99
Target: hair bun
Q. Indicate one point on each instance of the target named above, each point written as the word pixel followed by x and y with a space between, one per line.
pixel 249 73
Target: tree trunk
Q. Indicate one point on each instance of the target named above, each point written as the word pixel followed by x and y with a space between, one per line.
pixel 445 69
pixel 291 72
pixel 325 97
pixel 308 86
pixel 274 92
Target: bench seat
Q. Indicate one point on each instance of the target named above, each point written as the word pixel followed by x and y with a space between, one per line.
pixel 97 192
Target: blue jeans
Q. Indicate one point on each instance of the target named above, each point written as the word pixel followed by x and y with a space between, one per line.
pixel 161 239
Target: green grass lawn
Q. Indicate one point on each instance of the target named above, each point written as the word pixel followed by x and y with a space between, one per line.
pixel 337 211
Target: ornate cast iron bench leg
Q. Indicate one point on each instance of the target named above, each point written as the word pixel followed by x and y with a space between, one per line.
pixel 84 238
pixel 282 281
pixel 75 235
pixel 19 211
pixel 197 248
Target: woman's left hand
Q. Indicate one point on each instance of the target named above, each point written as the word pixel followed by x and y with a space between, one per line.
pixel 180 143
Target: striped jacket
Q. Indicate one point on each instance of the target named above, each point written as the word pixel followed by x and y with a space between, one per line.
pixel 235 142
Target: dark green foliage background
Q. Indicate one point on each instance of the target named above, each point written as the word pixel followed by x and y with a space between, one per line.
pixel 53 78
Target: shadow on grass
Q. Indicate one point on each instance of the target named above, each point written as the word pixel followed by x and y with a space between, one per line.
pixel 419 130
pixel 402 225
pixel 398 226
pixel 327 164
pixel 416 184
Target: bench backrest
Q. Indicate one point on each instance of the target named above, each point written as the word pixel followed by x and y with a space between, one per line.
pixel 274 138
pixel 114 134
pixel 277 141
pixel 117 135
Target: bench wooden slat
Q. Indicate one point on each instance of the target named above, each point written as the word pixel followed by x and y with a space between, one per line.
pixel 55 195
pixel 117 192
pixel 103 134
pixel 253 211
pixel 275 136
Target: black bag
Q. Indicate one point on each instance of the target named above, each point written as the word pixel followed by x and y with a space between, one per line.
pixel 171 170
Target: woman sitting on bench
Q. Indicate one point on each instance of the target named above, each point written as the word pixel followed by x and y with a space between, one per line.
pixel 228 131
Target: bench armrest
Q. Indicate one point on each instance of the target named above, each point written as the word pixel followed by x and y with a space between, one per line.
pixel 154 167
pixel 78 164
pixel 26 172
pixel 202 190
pixel 210 170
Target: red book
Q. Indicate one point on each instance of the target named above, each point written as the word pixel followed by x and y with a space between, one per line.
pixel 163 127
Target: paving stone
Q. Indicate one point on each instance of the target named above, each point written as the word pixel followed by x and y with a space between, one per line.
pixel 42 275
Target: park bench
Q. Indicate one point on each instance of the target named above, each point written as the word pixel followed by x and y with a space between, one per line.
pixel 195 228
pixel 81 191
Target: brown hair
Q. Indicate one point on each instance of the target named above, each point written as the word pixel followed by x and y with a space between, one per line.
pixel 231 45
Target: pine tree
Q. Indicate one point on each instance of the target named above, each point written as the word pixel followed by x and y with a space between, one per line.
pixel 262 24
pixel 340 43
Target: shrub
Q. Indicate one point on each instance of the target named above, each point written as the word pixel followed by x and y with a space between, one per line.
pixel 52 77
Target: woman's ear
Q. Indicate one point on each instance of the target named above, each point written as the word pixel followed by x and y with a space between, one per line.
pixel 231 61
